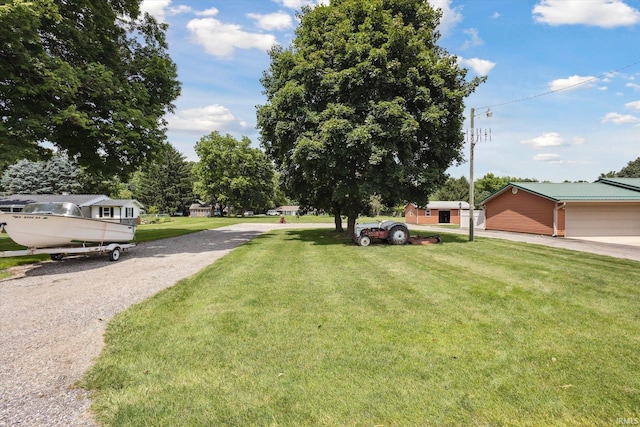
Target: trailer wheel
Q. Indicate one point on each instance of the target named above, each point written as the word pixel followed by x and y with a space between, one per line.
pixel 364 240
pixel 398 235
pixel 114 255
pixel 57 257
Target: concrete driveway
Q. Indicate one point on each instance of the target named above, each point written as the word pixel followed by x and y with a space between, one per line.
pixel 618 247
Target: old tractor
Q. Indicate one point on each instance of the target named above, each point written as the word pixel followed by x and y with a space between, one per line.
pixel 393 232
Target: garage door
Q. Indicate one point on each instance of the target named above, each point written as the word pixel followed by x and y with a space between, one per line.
pixel 618 219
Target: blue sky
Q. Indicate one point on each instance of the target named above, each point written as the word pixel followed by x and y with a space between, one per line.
pixel 563 77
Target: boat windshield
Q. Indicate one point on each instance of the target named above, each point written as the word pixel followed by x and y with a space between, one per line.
pixel 62 209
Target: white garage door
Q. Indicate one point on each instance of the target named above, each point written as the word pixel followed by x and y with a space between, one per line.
pixel 616 219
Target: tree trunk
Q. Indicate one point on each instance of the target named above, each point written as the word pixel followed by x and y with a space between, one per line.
pixel 338 221
pixel 351 224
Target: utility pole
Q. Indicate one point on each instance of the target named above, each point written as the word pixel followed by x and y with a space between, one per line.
pixel 474 137
pixel 472 144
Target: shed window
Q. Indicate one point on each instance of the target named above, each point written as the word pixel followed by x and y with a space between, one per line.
pixel 128 213
pixel 427 212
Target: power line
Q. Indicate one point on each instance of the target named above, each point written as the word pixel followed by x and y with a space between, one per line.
pixel 561 89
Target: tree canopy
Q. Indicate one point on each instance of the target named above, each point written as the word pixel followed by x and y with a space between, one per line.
pixel 91 77
pixel 364 102
pixel 632 170
pixel 490 183
pixel 453 189
pixel 232 173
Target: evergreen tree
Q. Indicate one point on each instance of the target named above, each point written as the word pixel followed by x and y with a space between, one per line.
pixel 56 176
pixel 166 183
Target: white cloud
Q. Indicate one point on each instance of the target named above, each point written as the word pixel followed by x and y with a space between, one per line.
pixel 620 119
pixel 572 82
pixel 155 8
pixel 495 15
pixel 635 105
pixel 208 12
pixel 547 139
pixel 450 16
pixel 205 120
pixel 578 140
pixel 548 158
pixel 272 21
pixel 297 4
pixel 599 13
pixel 221 39
pixel 480 66
pixel 633 86
pixel 474 40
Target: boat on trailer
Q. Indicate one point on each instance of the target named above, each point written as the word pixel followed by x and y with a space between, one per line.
pixel 60 227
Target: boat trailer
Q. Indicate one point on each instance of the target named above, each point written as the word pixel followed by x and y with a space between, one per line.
pixel 114 250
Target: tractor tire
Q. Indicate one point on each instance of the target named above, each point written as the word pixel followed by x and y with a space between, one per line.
pixel 398 235
pixel 364 240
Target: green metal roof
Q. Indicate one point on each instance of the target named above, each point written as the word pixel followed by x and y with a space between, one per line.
pixel 575 191
pixel 630 183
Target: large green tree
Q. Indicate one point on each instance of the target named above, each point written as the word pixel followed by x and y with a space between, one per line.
pixel 91 77
pixel 364 102
pixel 232 173
pixel 166 183
pixel 453 189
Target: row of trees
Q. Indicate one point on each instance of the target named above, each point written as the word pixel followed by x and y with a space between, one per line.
pixel 230 173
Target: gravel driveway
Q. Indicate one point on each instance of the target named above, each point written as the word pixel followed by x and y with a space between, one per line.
pixel 53 316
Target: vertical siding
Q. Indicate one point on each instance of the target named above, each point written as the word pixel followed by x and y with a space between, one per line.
pixel 522 212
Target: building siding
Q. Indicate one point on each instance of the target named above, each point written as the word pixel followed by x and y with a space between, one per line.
pixel 522 212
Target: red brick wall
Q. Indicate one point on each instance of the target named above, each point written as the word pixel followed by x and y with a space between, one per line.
pixel 522 212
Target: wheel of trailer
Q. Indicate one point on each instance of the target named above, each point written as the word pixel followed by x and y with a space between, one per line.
pixel 57 257
pixel 398 235
pixel 114 255
pixel 364 240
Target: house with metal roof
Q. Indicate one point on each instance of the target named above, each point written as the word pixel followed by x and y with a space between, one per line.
pixel 607 207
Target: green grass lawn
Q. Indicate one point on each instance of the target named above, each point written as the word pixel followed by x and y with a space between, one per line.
pixel 304 328
pixel 164 228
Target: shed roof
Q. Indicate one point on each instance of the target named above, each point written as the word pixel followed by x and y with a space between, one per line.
pixel 573 191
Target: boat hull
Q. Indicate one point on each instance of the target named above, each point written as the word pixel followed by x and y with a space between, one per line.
pixel 46 231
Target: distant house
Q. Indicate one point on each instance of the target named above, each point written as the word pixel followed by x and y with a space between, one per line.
pixel 436 212
pixel 91 205
pixel 124 211
pixel 288 210
pixel 201 210
pixel 607 207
